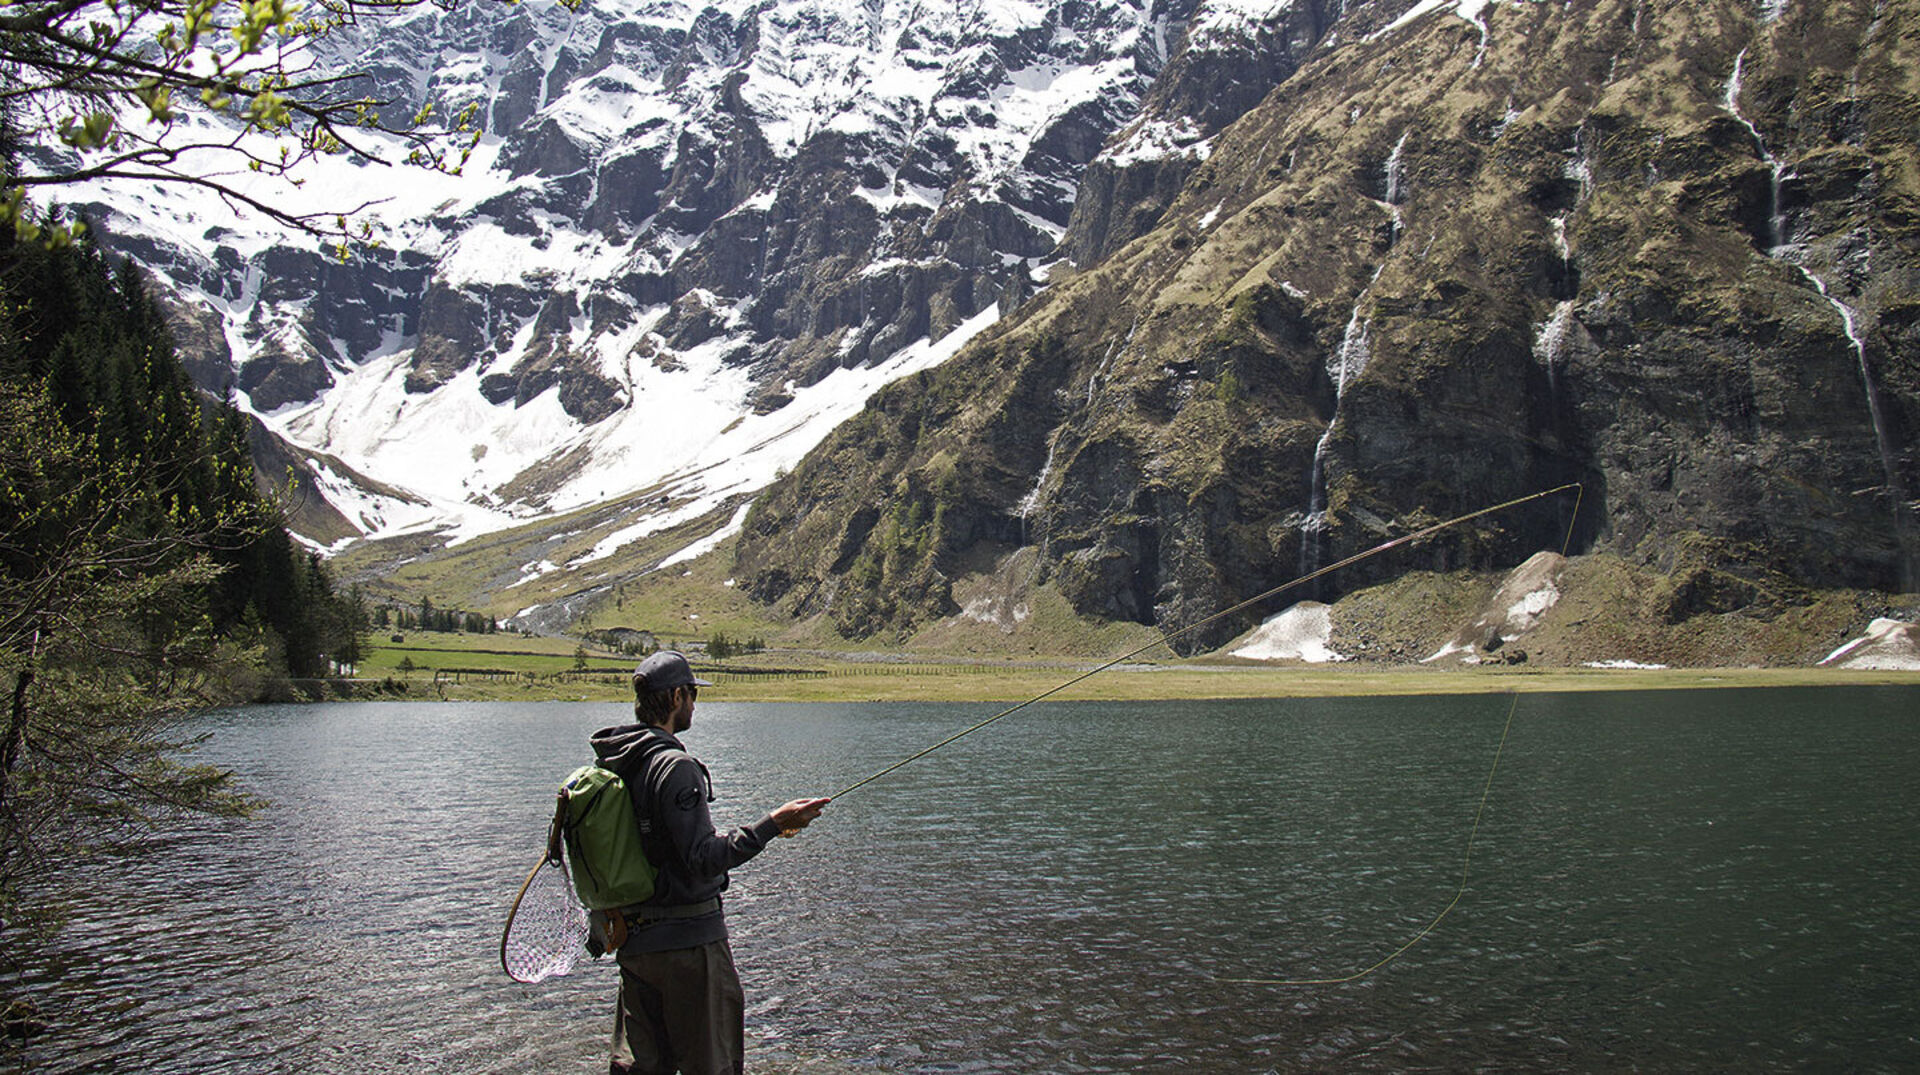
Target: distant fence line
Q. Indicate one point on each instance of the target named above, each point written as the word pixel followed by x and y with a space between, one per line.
pixel 621 677
pixel 885 669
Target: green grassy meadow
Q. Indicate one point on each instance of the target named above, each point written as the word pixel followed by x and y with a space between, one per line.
pixel 444 665
pixel 429 651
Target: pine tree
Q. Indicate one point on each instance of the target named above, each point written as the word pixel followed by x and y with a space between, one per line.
pixel 141 573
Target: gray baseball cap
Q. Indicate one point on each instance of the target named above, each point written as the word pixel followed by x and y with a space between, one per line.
pixel 665 670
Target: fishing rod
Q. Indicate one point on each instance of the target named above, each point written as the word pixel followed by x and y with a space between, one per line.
pixel 1167 638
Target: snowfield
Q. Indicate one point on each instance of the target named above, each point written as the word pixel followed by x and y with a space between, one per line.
pixel 589 93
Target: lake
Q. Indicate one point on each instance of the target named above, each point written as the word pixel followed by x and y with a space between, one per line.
pixel 1714 880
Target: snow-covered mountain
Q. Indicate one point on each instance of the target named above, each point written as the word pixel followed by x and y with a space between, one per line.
pixel 1290 276
pixel 692 241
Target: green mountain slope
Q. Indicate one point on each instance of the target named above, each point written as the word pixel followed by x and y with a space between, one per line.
pixel 1446 263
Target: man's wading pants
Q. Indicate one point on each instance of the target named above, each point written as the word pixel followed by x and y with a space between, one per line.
pixel 680 1010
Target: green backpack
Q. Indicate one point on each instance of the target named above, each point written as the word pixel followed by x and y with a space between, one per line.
pixel 595 817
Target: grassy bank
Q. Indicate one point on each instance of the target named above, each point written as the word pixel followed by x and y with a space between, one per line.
pixel 511 668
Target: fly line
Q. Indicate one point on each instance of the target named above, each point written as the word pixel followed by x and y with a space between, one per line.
pixel 1486 790
pixel 1170 637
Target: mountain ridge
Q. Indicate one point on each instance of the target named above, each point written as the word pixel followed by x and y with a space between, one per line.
pixel 1235 290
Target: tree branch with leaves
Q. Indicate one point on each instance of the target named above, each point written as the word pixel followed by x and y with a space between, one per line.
pixel 199 93
pixel 142 575
pixel 104 642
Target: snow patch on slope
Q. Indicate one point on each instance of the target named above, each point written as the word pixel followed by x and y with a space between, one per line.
pixel 745 456
pixel 1219 24
pixel 1888 645
pixel 1523 600
pixel 1151 140
pixel 1303 632
pixel 1474 11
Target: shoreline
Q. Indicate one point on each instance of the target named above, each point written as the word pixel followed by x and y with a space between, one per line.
pixel 1133 683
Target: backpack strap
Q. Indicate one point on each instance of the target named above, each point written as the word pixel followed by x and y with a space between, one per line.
pixel 642 779
pixel 556 829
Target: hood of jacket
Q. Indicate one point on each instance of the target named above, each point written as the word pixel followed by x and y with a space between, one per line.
pixel 625 748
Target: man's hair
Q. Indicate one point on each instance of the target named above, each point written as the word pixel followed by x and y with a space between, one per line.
pixel 652 707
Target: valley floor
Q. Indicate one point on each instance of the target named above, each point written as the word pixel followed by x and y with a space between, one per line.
pixel 1013 682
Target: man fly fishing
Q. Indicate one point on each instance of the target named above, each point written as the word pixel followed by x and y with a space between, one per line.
pixel 680 1006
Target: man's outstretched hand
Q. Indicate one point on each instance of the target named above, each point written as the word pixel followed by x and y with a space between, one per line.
pixel 798 814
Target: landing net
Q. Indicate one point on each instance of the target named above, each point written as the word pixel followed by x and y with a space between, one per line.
pixel 546 930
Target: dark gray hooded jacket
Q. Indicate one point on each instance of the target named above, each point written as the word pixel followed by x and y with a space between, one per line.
pixel 670 791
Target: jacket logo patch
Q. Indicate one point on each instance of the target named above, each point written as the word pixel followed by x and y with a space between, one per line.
pixel 687 798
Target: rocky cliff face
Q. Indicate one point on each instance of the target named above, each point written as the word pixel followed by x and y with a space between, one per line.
pixel 1461 254
pixel 703 210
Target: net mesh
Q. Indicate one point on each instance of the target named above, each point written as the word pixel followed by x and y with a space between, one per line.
pixel 546 931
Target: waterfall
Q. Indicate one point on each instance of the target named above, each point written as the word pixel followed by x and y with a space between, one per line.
pixel 1888 463
pixel 1106 360
pixel 1474 11
pixel 1779 249
pixel 1507 119
pixel 1031 501
pixel 1567 284
pixel 1346 363
pixel 1356 347
pixel 1396 192
pixel 1731 102
pixel 1313 528
pixel 1776 220
pixel 1396 170
pixel 1551 336
pixel 1343 366
pixel 1580 166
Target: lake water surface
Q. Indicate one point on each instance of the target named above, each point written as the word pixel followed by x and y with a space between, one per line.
pixel 1707 880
